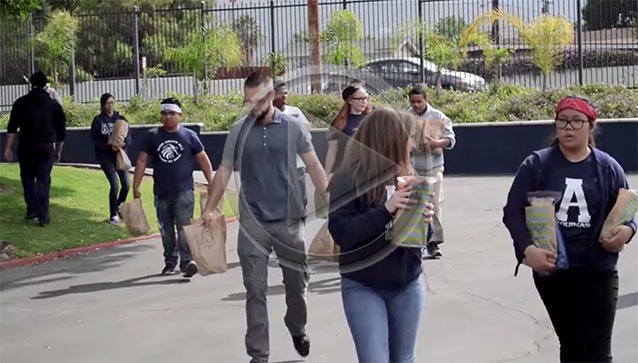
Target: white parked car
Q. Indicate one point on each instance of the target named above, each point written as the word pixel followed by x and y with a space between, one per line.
pixel 402 72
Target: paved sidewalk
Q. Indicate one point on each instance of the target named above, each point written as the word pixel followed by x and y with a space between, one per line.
pixel 112 306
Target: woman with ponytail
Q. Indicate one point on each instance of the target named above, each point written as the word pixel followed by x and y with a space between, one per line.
pixel 355 107
pixel 101 129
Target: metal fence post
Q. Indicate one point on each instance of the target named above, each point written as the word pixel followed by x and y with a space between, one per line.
pixel 31 51
pixel 345 4
pixel 496 37
pixel 272 26
pixel 580 43
pixel 202 20
pixel 421 63
pixel 72 73
pixel 136 49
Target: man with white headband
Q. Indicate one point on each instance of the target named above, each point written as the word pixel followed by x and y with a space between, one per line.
pixel 173 149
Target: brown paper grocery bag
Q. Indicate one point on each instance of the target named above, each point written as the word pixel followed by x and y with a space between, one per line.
pixel 623 211
pixel 134 217
pixel 323 246
pixel 434 129
pixel 122 162
pixel 208 245
pixel 203 200
pixel 118 135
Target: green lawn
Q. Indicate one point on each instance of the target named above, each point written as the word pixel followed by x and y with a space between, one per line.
pixel 79 211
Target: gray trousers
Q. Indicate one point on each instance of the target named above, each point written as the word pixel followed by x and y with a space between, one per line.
pixel 256 241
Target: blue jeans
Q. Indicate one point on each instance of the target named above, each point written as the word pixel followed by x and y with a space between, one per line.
pixel 175 211
pixel 107 163
pixel 383 323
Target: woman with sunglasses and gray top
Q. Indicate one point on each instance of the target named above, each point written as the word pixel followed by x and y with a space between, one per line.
pixel 355 108
pixel 580 300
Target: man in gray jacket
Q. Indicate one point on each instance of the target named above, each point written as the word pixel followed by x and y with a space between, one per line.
pixel 430 162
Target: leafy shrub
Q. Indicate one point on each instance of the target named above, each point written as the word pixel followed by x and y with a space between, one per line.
pixel 506 102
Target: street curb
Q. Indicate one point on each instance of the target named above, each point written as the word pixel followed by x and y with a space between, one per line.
pixel 76 251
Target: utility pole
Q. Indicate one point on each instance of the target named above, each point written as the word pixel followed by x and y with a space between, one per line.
pixel 315 50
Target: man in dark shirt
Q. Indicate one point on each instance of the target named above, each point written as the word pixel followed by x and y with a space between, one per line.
pixel 174 149
pixel 42 123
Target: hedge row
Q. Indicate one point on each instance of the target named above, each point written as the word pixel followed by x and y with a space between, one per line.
pixel 504 103
pixel 522 63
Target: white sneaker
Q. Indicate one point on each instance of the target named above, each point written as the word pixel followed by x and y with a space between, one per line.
pixel 114 221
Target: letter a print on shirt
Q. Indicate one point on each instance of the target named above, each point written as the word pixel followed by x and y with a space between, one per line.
pixel 574 187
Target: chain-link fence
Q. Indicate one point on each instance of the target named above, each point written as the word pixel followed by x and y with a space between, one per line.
pixel 125 53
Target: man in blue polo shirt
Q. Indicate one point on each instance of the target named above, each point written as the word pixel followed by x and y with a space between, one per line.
pixel 174 149
pixel 263 147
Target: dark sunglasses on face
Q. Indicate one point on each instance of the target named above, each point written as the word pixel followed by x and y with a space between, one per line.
pixel 168 113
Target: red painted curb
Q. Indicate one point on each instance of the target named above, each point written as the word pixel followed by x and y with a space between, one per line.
pixel 76 251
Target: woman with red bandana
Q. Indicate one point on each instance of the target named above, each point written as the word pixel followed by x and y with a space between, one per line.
pixel 580 300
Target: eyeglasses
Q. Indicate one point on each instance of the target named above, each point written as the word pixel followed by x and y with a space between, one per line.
pixel 168 113
pixel 359 98
pixel 576 124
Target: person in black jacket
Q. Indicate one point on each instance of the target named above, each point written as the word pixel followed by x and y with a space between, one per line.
pixel 580 300
pixel 42 123
pixel 101 129
pixel 381 288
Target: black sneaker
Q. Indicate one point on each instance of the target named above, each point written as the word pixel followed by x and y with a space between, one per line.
pixel 302 344
pixel 44 221
pixel 30 216
pixel 190 270
pixel 433 250
pixel 168 270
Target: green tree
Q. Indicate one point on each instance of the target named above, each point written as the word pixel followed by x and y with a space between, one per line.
pixel 276 63
pixel 546 37
pixel 444 52
pixel 451 27
pixel 249 33
pixel 606 14
pixel 342 32
pixel 493 55
pixel 56 43
pixel 205 53
pixel 19 9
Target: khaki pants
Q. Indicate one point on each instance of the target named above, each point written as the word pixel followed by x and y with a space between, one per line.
pixel 437 219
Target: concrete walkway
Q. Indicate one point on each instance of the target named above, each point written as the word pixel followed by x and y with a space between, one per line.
pixel 112 306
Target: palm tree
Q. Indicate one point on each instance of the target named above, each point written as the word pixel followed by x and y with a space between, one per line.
pixel 546 37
